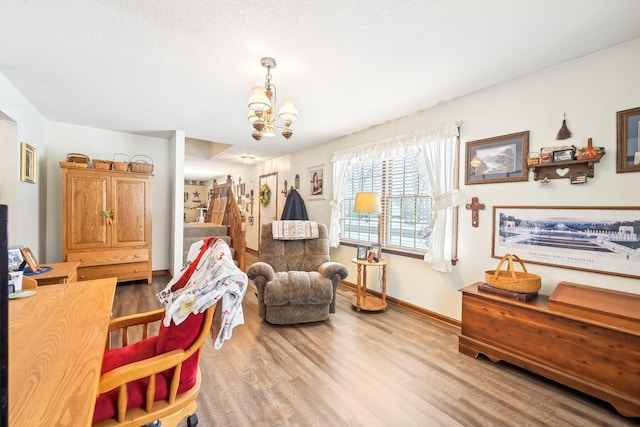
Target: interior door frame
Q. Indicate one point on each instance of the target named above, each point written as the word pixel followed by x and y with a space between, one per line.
pixel 271 179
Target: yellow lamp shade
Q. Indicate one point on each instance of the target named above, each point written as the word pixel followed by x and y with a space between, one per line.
pixel 367 203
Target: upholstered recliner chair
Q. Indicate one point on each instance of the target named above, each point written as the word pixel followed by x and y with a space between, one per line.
pixel 295 279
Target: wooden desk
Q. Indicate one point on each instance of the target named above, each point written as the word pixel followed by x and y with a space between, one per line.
pixel 62 272
pixel 56 342
pixel 369 302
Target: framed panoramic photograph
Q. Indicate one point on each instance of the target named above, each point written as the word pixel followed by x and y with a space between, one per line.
pixel 498 159
pixel 628 147
pixel 598 239
pixel 316 183
pixel 28 163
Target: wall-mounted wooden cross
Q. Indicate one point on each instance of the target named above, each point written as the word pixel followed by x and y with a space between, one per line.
pixel 474 206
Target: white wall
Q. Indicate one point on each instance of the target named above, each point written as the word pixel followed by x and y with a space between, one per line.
pixel 590 90
pixel 10 170
pixel 102 144
pixel 25 124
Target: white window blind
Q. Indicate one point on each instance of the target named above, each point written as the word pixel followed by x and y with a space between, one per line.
pixel 405 220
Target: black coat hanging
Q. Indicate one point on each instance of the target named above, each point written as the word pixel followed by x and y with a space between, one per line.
pixel 294 208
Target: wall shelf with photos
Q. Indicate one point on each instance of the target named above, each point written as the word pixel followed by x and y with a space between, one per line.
pixel 559 170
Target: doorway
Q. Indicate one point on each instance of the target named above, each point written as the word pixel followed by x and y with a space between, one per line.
pixel 268 212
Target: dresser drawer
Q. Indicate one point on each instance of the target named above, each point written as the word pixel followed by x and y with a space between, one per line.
pixel 109 257
pixel 123 272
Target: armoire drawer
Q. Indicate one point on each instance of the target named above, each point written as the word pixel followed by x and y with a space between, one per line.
pixel 124 272
pixel 109 257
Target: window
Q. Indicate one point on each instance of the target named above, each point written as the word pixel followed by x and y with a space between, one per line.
pixel 405 221
pixel 396 167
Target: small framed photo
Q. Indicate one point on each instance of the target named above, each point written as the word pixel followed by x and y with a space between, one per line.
pixel 31 260
pixel 362 252
pixel 316 182
pixel 15 258
pixel 580 178
pixel 377 250
pixel 563 155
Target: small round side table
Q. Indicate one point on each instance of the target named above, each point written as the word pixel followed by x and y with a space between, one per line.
pixel 363 301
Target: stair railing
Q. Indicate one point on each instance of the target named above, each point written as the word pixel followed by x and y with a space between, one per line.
pixel 232 218
pixel 235 221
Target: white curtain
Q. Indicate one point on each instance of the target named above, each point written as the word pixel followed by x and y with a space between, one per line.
pixel 379 150
pixel 339 169
pixel 438 157
pixel 435 149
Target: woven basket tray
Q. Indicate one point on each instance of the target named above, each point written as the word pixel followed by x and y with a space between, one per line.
pixel 77 158
pixel 102 164
pixel 119 164
pixel 510 279
pixel 141 166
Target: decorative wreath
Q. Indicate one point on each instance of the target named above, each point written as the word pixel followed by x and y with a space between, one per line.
pixel 265 194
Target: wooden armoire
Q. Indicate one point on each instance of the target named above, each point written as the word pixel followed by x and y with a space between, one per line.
pixel 107 223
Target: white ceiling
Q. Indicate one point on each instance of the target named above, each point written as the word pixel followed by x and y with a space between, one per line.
pixel 152 66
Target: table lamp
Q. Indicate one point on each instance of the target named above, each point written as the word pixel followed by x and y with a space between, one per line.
pixel 369 203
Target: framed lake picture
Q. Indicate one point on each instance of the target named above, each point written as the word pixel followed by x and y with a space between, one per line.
pixel 498 159
pixel 596 239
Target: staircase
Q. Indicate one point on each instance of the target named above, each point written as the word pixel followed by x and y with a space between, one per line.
pixel 194 232
pixel 223 219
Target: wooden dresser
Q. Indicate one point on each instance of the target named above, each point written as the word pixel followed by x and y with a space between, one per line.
pixel 584 337
pixel 117 247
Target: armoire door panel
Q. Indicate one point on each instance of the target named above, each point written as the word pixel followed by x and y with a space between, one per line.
pixel 130 209
pixel 87 227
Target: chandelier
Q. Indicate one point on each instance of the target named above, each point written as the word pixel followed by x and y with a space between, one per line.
pixel 262 103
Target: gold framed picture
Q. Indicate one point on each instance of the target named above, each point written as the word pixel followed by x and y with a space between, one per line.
pixel 28 163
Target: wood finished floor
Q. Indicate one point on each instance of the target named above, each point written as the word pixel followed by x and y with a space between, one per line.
pixel 395 368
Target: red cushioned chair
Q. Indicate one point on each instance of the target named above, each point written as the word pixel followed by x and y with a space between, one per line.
pixel 156 378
